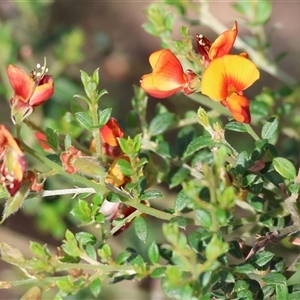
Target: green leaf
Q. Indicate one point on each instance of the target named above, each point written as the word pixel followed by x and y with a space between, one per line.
pixel 95 76
pixel 15 202
pixel 275 278
pixel 91 252
pixel 85 238
pixel 181 201
pixel 282 291
pixel 126 145
pixel 68 141
pixel 199 143
pixel 65 284
pixel 263 257
pixel 284 167
pixel 179 176
pixel 104 251
pixel 269 128
pixel 268 291
pixel 158 272
pixel 104 116
pixel 84 120
pixel 160 123
pixel 82 211
pixel 180 221
pixel 141 162
pixel 84 77
pixel 124 167
pixel 153 253
pixel 244 269
pixel 141 228
pixel 215 248
pixel 39 251
pixel 151 194
pixel 95 287
pixel 242 162
pixel 122 257
pixel 203 218
pixel 70 246
pixel 52 138
pixel 262 14
pixel 236 126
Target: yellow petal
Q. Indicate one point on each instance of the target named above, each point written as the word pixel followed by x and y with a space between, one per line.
pixel 154 57
pixel 226 75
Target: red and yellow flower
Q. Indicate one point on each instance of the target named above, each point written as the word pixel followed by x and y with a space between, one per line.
pixel 220 47
pixel 30 90
pixel 110 133
pixel 115 175
pixel 12 161
pixel 167 77
pixel 225 79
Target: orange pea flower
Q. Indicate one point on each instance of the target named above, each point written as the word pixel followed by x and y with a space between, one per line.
pixel 30 90
pixel 12 162
pixel 221 46
pixel 225 79
pixel 115 175
pixel 110 133
pixel 167 77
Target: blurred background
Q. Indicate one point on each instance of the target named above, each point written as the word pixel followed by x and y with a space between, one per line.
pixel 85 35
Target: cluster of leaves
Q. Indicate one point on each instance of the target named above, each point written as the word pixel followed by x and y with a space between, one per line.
pixel 225 193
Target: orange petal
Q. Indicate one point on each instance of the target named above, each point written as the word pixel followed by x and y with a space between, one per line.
pixel 226 75
pixel 21 82
pixel 168 73
pixel 239 108
pixel 115 175
pixel 167 77
pixel 224 42
pixel 148 86
pixel 43 91
pixel 110 132
pixel 7 140
pixel 154 57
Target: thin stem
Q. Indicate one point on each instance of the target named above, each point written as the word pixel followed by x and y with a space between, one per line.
pixel 96 131
pixel 151 211
pixel 76 191
pixel 251 132
pixel 124 221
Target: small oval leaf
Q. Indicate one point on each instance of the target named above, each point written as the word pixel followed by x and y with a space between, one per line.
pixel 141 228
pixel 284 167
pixel 199 143
pixel 153 253
pixel 269 128
pixel 160 123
